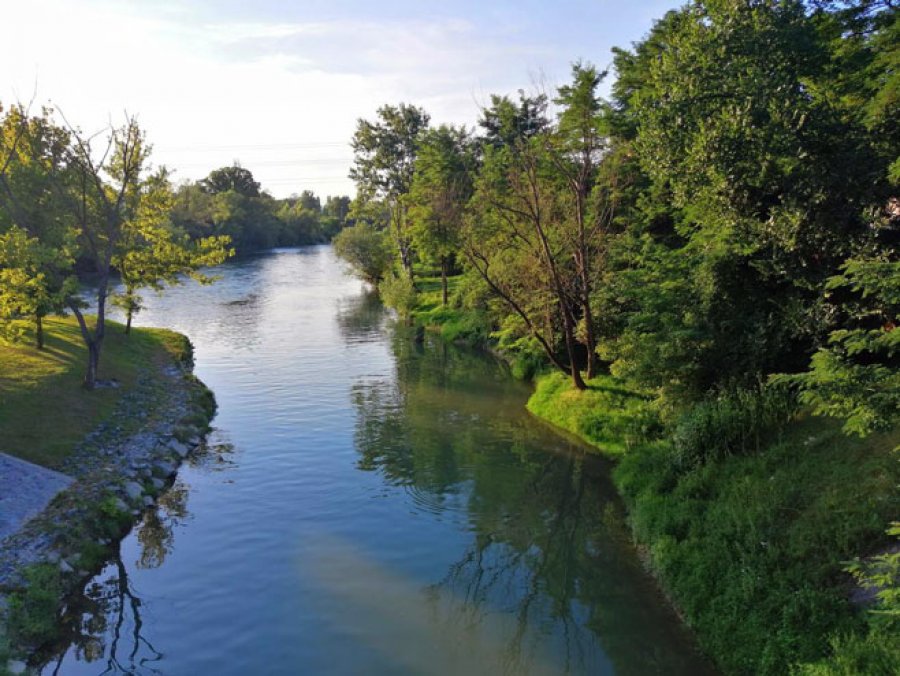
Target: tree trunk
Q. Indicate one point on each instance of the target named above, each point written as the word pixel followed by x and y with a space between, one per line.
pixel 590 339
pixel 568 330
pixel 128 321
pixel 90 376
pixel 444 278
pixel 39 331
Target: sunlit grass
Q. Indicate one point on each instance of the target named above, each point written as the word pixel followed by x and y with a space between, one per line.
pixel 607 414
pixel 44 410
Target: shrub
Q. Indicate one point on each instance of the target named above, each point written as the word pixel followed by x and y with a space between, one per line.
pixel 734 422
pixel 399 293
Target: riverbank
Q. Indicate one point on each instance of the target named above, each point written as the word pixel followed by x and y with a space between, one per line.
pixel 750 547
pixel 120 446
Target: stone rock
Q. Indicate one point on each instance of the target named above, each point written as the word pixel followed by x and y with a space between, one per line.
pixel 164 469
pixel 16 667
pixel 121 505
pixel 53 556
pixel 158 484
pixel 133 490
pixel 179 448
pixel 65 568
pixel 148 501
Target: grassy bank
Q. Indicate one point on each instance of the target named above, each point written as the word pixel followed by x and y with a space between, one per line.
pixel 751 547
pixel 44 411
pixel 451 321
pixel 45 415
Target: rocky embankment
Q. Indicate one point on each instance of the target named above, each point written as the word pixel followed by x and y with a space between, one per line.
pixel 118 471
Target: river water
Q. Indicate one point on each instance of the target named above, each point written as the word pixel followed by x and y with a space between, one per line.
pixel 366 505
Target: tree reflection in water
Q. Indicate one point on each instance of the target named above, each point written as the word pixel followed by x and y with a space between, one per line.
pixel 104 623
pixel 550 555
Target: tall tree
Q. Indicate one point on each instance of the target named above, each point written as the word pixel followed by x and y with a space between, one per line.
pixel 515 241
pixel 384 155
pixel 440 190
pixel 37 247
pixel 577 147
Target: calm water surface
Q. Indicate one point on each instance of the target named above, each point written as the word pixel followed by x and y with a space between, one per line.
pixel 366 505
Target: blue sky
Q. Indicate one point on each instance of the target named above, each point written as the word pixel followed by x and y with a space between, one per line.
pixel 279 85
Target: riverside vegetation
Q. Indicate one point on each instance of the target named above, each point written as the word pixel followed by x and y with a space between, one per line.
pixel 702 273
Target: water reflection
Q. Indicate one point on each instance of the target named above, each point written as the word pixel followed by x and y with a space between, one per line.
pixel 104 624
pixel 360 317
pixel 390 508
pixel 549 569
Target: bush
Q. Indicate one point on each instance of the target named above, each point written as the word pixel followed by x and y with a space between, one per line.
pixel 734 422
pixel 366 250
pixel 399 293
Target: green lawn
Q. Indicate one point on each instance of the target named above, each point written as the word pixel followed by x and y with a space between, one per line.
pixel 44 411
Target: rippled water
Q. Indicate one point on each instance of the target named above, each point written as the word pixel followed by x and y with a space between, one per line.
pixel 366 506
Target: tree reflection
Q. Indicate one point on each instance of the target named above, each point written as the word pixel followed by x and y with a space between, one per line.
pixel 549 548
pixel 105 625
pixel 360 317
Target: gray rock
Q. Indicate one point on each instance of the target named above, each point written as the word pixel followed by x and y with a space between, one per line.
pixel 133 490
pixel 148 501
pixel 65 568
pixel 121 505
pixel 164 469
pixel 157 483
pixel 179 448
pixel 16 667
pixel 53 556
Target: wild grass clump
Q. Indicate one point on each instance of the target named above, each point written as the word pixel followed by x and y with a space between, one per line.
pixel 734 422
pixel 753 547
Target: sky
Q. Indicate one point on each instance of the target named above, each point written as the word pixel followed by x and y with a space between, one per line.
pixel 279 85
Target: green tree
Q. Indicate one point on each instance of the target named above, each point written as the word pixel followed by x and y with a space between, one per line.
pixel 366 249
pixel 440 190
pixel 153 254
pixel 384 156
pixel 515 241
pixel 856 375
pixel 37 249
pixel 756 182
pixel 234 178
pixel 35 280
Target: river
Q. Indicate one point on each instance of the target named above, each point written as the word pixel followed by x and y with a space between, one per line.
pixel 366 505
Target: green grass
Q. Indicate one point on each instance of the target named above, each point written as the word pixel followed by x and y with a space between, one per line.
pixel 607 414
pixel 750 546
pixel 453 323
pixel 44 411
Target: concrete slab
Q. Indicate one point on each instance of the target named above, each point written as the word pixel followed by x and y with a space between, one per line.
pixel 25 490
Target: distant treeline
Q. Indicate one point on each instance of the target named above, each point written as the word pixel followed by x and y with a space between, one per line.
pixel 230 202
